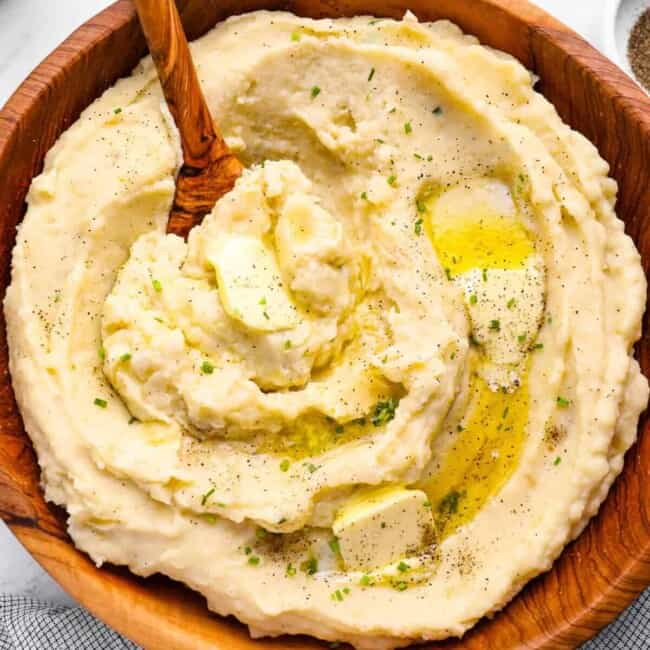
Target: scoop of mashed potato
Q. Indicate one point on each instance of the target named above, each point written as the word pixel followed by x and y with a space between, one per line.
pixel 392 367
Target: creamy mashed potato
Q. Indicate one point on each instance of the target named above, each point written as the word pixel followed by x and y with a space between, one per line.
pixel 383 383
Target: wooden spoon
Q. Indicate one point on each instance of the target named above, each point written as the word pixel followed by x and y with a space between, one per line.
pixel 209 168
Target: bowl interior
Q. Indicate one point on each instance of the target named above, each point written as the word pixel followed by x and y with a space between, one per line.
pixel 595 577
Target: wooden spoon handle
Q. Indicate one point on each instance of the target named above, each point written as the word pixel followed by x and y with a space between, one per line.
pixel 210 169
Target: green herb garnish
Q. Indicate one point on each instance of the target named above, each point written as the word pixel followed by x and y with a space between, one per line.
pixel 563 402
pixel 309 566
pixel 449 504
pixel 156 285
pixel 335 546
pixel 206 496
pixel 407 128
pixel 284 465
pixel 384 411
pixel 418 226
pixel 207 368
pixel 315 91
pixel 495 325
pixel 102 403
pixel 371 75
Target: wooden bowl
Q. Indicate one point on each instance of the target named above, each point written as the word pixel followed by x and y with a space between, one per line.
pixel 596 577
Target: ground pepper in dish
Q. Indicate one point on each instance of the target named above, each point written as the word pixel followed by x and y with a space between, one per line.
pixel 638 49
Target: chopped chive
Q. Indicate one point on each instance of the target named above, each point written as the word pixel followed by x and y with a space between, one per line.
pixel 384 411
pixel 295 36
pixel 484 274
pixel 248 550
pixel 495 325
pixel 261 533
pixel 117 110
pixel 284 465
pixel 290 570
pixel 505 412
pixel 511 303
pixel 126 357
pixel 521 338
pixel 287 345
pixel 206 496
pixel 402 567
pixel 538 346
pixel 364 196
pixel 401 586
pixel 315 91
pixel 437 110
pixel 309 566
pixel 262 300
pixel 156 285
pixel 557 461
pixel 563 402
pixel 418 156
pixel 102 353
pixel 418 227
pixel 102 403
pixel 207 368
pixel 365 580
pixel 448 273
pixel 335 546
pixel 391 179
pixel 253 560
pixel 420 205
pixel 407 127
pixel 473 299
pixel 371 75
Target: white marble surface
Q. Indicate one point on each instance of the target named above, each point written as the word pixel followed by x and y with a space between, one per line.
pixel 29 30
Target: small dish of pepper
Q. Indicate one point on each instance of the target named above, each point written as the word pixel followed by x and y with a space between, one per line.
pixel 627 37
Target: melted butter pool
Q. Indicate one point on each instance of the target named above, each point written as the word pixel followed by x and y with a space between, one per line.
pixel 486 451
pixel 476 228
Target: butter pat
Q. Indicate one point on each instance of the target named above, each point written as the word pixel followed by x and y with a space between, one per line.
pixel 379 526
pixel 250 284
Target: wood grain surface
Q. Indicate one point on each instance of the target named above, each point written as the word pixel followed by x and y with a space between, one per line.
pixel 209 168
pixel 596 576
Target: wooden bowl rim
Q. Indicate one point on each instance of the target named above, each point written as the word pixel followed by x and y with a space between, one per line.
pixel 33 89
